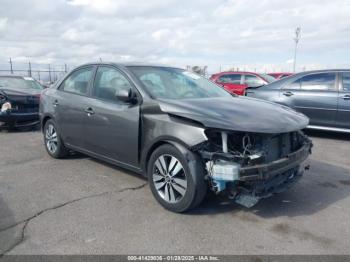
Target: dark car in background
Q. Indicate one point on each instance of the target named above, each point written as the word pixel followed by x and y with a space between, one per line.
pixel 323 96
pixel 279 75
pixel 237 82
pixel 183 132
pixel 19 101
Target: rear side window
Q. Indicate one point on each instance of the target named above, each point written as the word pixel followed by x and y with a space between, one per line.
pixel 230 79
pixel 321 81
pixel 78 81
pixel 346 81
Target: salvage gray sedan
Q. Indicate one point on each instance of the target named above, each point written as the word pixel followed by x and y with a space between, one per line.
pixel 183 132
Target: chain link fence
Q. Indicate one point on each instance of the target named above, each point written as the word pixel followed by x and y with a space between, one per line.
pixel 44 73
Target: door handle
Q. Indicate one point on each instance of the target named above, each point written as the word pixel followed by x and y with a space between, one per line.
pixel 288 93
pixel 55 103
pixel 89 111
pixel 346 97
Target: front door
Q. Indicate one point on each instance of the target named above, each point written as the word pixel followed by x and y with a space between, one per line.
pixel 112 129
pixel 314 95
pixel 343 115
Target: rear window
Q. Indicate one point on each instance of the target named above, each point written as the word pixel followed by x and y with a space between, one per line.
pixel 19 83
pixel 230 79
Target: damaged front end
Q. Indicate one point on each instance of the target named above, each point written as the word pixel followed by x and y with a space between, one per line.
pixel 250 166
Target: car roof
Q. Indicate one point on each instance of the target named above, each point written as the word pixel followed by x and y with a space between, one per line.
pixel 12 76
pixel 129 64
pixel 323 71
pixel 237 72
pixel 280 73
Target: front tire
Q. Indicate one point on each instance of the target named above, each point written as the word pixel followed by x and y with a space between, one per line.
pixel 176 181
pixel 53 142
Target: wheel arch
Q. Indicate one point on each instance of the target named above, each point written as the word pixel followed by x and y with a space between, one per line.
pixel 178 144
pixel 44 120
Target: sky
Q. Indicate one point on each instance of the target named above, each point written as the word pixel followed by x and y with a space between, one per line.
pixel 220 34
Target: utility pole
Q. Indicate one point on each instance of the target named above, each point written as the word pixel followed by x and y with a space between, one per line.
pixel 296 40
pixel 50 73
pixel 29 69
pixel 11 66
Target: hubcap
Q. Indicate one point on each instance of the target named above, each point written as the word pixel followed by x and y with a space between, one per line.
pixel 169 178
pixel 51 138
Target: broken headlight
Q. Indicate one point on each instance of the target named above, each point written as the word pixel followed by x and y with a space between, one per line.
pixel 6 106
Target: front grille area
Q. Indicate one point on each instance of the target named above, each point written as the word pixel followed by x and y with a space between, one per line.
pixel 269 147
pixel 25 108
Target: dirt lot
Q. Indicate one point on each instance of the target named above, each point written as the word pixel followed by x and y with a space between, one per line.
pixel 82 206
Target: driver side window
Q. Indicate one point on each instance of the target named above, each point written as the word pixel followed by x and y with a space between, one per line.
pixel 107 82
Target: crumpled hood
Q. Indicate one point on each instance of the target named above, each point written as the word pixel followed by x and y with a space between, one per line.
pixel 237 114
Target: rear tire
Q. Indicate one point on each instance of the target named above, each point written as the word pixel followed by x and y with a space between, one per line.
pixel 176 179
pixel 53 142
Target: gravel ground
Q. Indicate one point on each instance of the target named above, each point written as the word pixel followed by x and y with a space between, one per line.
pixel 83 206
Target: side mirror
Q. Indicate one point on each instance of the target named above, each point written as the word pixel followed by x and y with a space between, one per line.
pixel 125 95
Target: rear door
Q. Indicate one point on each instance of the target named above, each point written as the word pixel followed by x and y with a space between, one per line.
pixel 70 101
pixel 314 95
pixel 343 114
pixel 232 83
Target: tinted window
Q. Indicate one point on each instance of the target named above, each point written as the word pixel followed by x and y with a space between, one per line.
pixel 253 81
pixel 107 82
pixel 322 81
pixel 78 81
pixel 346 81
pixel 230 79
pixel 294 85
pixel 174 83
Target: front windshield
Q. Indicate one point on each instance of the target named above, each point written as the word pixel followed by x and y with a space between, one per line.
pixel 173 83
pixel 268 78
pixel 19 83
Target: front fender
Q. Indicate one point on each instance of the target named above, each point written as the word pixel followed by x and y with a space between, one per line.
pixel 158 129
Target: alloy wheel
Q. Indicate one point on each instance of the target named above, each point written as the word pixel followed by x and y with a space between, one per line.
pixel 51 139
pixel 169 178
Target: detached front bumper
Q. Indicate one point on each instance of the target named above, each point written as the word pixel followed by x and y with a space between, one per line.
pixel 263 181
pixel 266 171
pixel 18 119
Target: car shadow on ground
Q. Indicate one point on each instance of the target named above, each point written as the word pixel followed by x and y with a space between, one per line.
pixel 35 128
pixel 8 236
pixel 322 186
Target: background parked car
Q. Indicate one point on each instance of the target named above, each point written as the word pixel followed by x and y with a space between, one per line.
pixel 19 101
pixel 323 96
pixel 237 82
pixel 279 75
